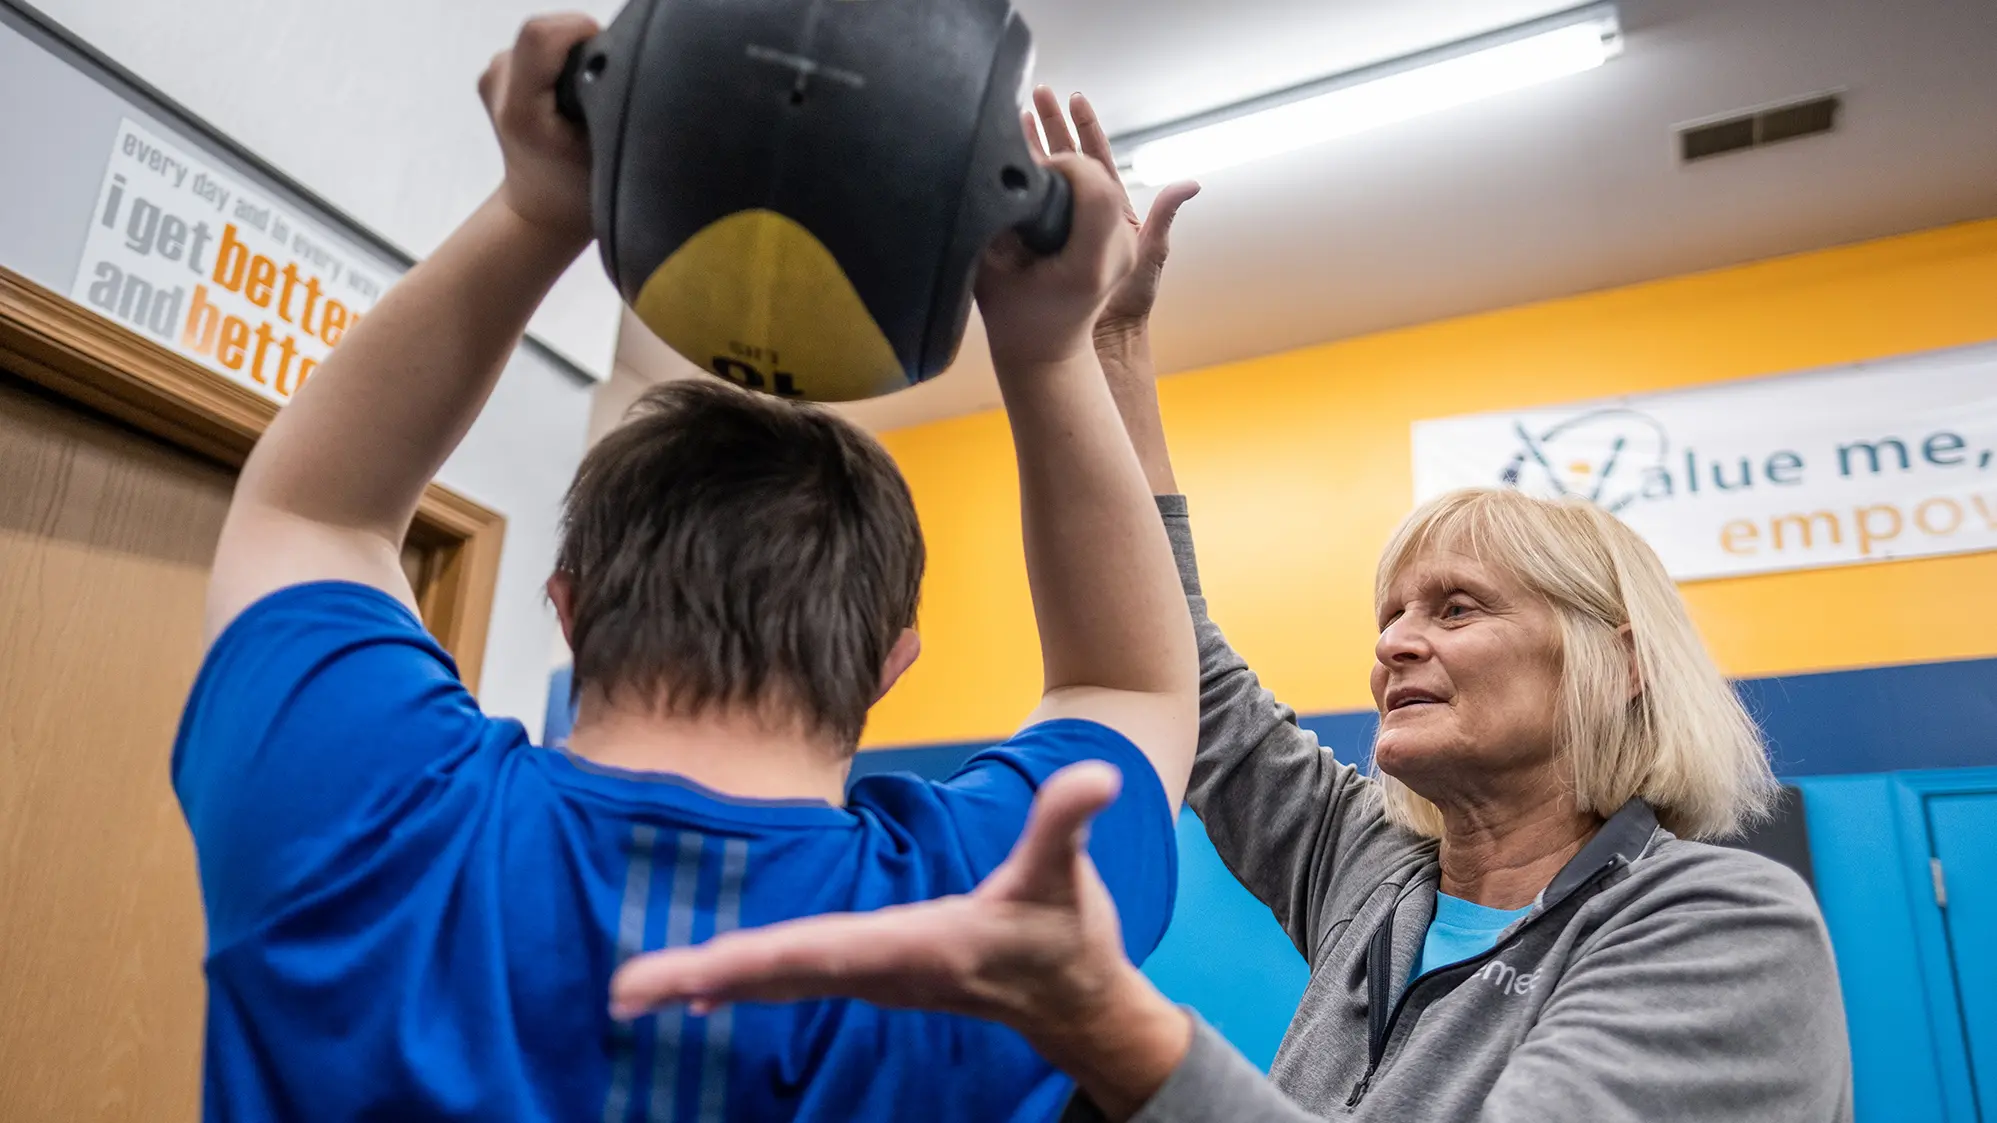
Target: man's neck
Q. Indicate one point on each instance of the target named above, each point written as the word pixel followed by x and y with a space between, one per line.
pixel 1502 853
pixel 732 752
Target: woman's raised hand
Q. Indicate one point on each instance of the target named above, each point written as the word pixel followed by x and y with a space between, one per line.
pixel 1130 305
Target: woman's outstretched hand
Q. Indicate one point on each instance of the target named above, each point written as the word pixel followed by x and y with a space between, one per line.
pixel 1036 947
pixel 1038 941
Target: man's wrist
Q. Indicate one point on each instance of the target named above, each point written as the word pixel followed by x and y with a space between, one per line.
pixel 1037 357
pixel 564 240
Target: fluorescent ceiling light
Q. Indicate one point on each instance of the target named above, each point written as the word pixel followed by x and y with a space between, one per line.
pixel 1343 104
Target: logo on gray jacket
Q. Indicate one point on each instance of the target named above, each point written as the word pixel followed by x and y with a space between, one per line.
pixel 1508 979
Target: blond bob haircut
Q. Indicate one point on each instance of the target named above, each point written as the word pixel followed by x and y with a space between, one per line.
pixel 1684 744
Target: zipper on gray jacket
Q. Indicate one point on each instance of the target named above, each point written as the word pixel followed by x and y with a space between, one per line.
pixel 1379 979
pixel 1380 967
pixel 1378 982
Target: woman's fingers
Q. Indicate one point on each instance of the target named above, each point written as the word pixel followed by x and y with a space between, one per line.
pixel 1053 121
pixel 1155 240
pixel 889 957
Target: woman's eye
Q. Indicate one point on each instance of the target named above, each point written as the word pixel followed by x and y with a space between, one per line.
pixel 1454 611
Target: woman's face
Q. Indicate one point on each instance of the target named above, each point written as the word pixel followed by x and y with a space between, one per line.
pixel 1466 676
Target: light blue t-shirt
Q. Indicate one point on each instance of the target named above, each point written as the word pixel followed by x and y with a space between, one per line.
pixel 413 912
pixel 1462 930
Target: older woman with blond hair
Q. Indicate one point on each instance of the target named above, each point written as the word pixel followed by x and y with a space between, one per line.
pixel 1519 915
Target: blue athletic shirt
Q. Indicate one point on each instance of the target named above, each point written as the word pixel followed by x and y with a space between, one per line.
pixel 1462 930
pixel 414 912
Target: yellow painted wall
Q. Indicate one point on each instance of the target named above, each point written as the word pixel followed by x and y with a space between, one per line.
pixel 1298 467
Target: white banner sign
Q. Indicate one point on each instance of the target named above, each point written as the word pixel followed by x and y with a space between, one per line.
pixel 184 253
pixel 1866 463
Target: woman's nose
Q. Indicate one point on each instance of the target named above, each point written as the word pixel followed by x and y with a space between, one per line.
pixel 1403 641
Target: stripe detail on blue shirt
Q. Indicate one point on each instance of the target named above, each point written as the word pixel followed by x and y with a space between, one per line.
pixel 721 1024
pixel 671 1022
pixel 630 940
pixel 672 1029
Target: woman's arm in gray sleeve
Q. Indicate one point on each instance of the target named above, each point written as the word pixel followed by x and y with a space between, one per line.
pixel 1213 1084
pixel 1282 812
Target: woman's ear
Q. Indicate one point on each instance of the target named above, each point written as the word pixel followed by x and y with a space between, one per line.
pixel 900 658
pixel 1627 637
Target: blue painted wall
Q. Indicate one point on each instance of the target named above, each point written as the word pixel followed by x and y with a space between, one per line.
pixel 1225 956
pixel 1884 719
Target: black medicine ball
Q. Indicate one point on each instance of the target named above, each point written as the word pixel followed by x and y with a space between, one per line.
pixel 794 194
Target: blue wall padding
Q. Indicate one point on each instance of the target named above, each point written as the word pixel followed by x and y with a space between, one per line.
pixel 1348 736
pixel 1882 719
pixel 1225 956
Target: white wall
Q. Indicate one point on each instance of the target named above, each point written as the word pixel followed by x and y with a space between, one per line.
pixel 370 103
pixel 56 128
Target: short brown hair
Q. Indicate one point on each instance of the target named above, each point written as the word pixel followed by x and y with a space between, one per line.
pixel 727 549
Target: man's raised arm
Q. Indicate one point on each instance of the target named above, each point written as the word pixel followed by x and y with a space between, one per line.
pixel 331 488
pixel 1115 638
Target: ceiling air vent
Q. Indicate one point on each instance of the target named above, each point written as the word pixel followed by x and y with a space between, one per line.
pixel 1759 128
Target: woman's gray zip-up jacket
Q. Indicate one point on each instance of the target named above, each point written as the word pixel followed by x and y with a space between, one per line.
pixel 1654 979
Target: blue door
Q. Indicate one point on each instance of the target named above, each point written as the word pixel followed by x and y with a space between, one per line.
pixel 1963 829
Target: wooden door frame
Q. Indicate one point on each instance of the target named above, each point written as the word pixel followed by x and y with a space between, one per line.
pixel 85 358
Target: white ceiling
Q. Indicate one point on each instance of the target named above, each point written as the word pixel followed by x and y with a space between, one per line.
pixel 1566 188
pixel 370 103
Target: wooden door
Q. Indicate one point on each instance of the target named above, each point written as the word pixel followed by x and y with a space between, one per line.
pixel 106 537
pixel 108 525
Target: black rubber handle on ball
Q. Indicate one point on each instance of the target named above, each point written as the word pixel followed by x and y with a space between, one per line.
pixel 1046 233
pixel 568 87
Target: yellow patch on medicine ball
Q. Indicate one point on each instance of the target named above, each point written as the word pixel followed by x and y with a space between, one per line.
pixel 757 299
